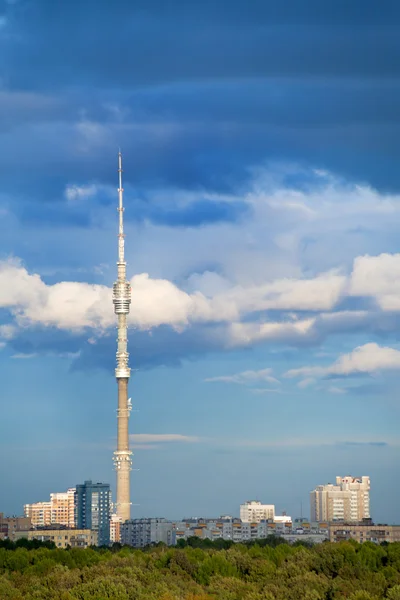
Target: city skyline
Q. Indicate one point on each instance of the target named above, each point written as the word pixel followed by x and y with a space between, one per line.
pixel 262 204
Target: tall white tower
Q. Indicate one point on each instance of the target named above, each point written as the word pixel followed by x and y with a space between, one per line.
pixel 121 301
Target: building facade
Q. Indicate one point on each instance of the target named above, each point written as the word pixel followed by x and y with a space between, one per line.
pixel 115 528
pixel 93 509
pixel 39 513
pixel 144 532
pixel 253 511
pixel 347 500
pixel 60 510
pixel 62 538
pixel 364 532
pixel 140 533
pixel 10 525
pixel 237 531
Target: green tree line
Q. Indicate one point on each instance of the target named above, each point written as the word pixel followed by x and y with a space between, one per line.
pixel 201 570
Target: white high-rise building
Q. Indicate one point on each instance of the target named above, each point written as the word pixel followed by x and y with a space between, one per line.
pixel 253 511
pixel 348 500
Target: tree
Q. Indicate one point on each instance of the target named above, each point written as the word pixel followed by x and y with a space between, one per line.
pixel 394 593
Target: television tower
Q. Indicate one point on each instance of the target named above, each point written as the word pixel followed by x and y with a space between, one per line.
pixel 121 301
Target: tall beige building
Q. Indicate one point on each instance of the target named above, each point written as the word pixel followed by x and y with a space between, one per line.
pixel 60 510
pixel 39 513
pixel 347 500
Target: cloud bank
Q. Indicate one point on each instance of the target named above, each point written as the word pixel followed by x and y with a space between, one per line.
pixel 369 358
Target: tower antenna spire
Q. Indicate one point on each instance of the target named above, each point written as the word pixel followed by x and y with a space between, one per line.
pixel 121 236
pixel 121 301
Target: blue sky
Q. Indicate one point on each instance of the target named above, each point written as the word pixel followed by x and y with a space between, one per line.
pixel 261 145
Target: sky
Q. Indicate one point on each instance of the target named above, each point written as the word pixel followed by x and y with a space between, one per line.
pixel 261 153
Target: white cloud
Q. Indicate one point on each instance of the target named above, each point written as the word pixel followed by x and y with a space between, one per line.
pixel 73 305
pixel 336 390
pixel 74 193
pixel 320 293
pixel 158 301
pixel 244 334
pixel 161 438
pixel 7 332
pixel 369 358
pixel 305 383
pixel 211 298
pixel 246 377
pixel 379 278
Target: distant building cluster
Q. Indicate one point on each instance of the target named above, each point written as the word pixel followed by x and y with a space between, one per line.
pixel 83 516
pixel 140 533
pixel 143 532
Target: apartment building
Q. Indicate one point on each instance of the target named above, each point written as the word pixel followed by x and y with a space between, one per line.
pixel 93 502
pixel 238 531
pixel 253 511
pixel 10 525
pixel 144 532
pixel 364 532
pixel 115 528
pixel 59 510
pixel 347 500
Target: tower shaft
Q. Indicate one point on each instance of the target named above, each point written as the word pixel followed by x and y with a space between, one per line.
pixel 121 301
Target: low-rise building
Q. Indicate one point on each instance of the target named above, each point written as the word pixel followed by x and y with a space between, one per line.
pixel 62 538
pixel 237 531
pixel 364 532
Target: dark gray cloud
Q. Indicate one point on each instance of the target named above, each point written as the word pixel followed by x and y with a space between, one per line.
pixel 196 93
pixel 148 42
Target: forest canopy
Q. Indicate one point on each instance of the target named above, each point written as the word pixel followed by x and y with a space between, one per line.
pixel 270 570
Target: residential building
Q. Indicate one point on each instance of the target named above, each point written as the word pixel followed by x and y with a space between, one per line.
pixel 39 513
pixel 144 532
pixel 364 532
pixel 62 507
pixel 93 509
pixel 253 511
pixel 9 525
pixel 60 510
pixel 115 528
pixel 62 537
pixel 348 500
pixel 237 531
